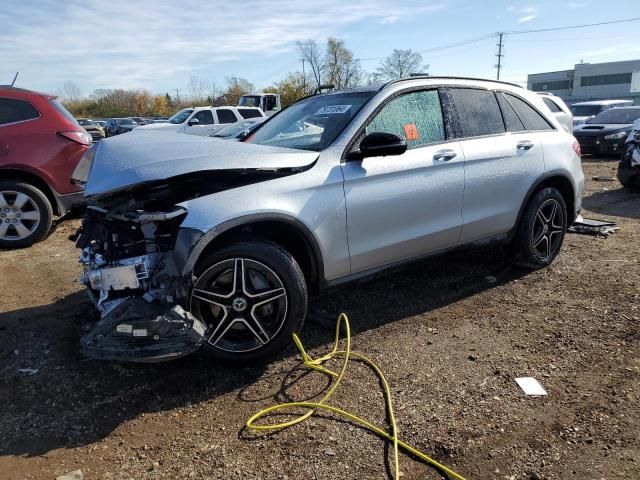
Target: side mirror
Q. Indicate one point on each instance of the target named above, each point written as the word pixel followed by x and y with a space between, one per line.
pixel 194 121
pixel 636 125
pixel 380 144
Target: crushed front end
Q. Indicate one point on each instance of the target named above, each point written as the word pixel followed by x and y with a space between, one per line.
pixel 132 274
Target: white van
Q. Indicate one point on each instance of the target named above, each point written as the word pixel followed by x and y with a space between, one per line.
pixel 583 111
pixel 203 121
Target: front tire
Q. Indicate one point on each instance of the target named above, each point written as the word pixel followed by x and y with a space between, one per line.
pixel 25 214
pixel 252 296
pixel 541 229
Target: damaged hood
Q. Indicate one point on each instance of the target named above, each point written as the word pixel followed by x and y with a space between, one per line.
pixel 128 160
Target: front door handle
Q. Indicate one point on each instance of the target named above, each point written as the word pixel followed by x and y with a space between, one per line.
pixel 444 155
pixel 525 145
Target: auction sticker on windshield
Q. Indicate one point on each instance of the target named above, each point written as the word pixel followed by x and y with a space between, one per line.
pixel 333 109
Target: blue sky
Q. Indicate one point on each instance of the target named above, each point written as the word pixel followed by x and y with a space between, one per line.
pixel 157 45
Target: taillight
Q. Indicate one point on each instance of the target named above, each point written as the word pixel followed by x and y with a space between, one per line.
pixel 83 138
pixel 576 148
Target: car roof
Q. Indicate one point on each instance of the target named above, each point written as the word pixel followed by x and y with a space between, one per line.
pixel 602 102
pixel 17 90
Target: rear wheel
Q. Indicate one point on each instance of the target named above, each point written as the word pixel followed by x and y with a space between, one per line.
pixel 25 214
pixel 252 296
pixel 541 230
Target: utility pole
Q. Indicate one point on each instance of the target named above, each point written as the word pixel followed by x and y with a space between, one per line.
pixel 499 54
pixel 304 77
pixel 178 96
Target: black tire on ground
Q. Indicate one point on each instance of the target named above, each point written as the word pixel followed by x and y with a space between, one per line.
pixel 268 268
pixel 625 171
pixel 541 230
pixel 43 205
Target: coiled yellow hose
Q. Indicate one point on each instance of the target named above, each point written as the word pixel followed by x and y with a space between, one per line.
pixel 316 364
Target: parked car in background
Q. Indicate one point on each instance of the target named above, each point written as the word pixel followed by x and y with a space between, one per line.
pixel 204 121
pixel 559 110
pixel 116 126
pixel 140 120
pixel 605 134
pixel 239 130
pixel 92 128
pixel 269 103
pixel 100 123
pixel 235 236
pixel 40 146
pixel 583 111
pixel 629 167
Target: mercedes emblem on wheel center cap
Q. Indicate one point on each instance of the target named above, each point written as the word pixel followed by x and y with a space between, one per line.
pixel 239 304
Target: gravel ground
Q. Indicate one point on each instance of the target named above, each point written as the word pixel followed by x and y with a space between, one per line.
pixel 450 339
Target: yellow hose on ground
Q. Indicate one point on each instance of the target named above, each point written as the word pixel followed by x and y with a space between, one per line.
pixel 316 364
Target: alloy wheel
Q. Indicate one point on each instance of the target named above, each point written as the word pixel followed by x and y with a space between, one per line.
pixel 19 215
pixel 242 301
pixel 547 230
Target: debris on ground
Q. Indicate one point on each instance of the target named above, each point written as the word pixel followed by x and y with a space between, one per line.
pixel 28 371
pixel 589 226
pixel 75 475
pixel 530 386
pixel 604 179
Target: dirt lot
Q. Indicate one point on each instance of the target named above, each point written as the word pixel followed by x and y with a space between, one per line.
pixel 450 340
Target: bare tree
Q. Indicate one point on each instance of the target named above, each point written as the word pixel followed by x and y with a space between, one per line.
pixel 70 92
pixel 340 68
pixel 400 64
pixel 311 54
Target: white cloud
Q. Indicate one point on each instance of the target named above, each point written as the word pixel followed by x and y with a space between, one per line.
pixel 510 8
pixel 527 18
pixel 129 44
pixel 529 10
pixel 576 5
pixel 389 19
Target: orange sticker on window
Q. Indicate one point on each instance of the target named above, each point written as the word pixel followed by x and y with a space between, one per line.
pixel 411 132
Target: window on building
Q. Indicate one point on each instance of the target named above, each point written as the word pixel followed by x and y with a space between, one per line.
pixel 552 85
pixel 610 79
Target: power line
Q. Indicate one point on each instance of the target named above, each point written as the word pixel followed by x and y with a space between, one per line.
pixel 519 32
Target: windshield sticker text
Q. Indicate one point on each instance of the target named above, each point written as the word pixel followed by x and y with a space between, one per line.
pixel 333 109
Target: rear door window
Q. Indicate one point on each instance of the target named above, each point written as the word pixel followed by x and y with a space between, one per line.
pixel 204 117
pixel 415 116
pixel 531 119
pixel 226 116
pixel 511 120
pixel 13 110
pixel 478 112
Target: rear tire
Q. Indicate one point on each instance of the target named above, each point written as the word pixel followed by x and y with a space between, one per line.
pixel 26 214
pixel 541 230
pixel 252 296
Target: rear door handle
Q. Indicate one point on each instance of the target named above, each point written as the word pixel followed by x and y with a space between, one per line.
pixel 444 155
pixel 525 145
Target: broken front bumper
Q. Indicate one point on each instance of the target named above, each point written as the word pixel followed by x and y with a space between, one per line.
pixel 140 320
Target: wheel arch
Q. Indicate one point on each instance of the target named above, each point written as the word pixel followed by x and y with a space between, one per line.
pixel 36 181
pixel 558 180
pixel 281 229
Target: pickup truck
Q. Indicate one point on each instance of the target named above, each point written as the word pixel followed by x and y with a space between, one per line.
pixel 203 121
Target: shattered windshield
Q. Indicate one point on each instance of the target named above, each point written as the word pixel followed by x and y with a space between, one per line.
pixel 313 123
pixel 181 116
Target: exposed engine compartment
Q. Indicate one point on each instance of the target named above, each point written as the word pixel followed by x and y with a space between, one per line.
pixel 130 274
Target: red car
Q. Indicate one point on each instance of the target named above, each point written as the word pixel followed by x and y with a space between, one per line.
pixel 40 145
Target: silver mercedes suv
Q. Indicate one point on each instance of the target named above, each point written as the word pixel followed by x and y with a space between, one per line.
pixel 192 241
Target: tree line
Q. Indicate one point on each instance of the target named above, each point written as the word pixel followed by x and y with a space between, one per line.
pixel 332 64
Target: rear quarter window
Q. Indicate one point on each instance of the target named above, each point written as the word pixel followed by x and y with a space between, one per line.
pixel 531 119
pixel 13 110
pixel 478 112
pixel 551 104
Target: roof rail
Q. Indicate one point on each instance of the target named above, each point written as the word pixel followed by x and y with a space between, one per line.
pixel 429 77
